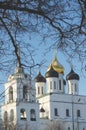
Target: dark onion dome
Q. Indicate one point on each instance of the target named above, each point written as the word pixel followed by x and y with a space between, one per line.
pixel 40 78
pixel 64 82
pixel 72 76
pixel 51 73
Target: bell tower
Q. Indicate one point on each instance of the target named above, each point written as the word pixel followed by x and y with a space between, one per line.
pixel 20 110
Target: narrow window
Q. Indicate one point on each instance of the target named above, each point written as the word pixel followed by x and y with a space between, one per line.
pixel 23 114
pixel 11 115
pixel 78 113
pixel 38 90
pixel 71 84
pixel 83 128
pixel 68 128
pixel 50 84
pixel 59 84
pixel 67 112
pixel 32 115
pixel 56 112
pixel 54 84
pixel 42 90
pixel 25 90
pixel 10 127
pixel 75 88
pixel 10 94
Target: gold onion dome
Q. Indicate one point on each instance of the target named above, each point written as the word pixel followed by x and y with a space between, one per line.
pixel 56 66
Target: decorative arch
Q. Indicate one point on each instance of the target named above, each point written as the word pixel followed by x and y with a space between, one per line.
pixel 5 116
pixel 32 115
pixel 10 93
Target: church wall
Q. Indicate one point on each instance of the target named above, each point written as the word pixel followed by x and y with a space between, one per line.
pixel 63 103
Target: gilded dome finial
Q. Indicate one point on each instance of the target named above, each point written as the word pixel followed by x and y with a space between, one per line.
pixel 56 65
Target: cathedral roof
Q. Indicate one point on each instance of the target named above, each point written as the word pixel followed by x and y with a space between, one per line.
pixel 40 78
pixel 72 75
pixel 51 72
pixel 56 66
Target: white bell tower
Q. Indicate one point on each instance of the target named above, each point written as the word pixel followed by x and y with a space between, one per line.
pixel 20 110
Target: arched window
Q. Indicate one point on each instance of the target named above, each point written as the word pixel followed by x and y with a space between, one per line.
pixel 25 91
pixel 32 115
pixel 42 90
pixel 11 115
pixel 68 128
pixel 54 84
pixel 10 93
pixel 23 114
pixel 38 90
pixel 67 112
pixel 50 84
pixel 5 116
pixel 55 111
pixel 60 85
pixel 78 113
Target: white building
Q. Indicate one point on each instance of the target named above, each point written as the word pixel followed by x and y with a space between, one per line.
pixel 57 105
pixel 22 111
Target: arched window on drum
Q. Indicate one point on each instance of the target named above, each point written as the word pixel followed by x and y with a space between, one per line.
pixel 10 93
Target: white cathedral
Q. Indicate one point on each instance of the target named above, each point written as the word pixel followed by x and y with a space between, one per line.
pixel 36 105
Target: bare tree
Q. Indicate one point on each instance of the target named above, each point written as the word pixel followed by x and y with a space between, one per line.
pixel 54 125
pixel 8 125
pixel 62 21
pixel 16 126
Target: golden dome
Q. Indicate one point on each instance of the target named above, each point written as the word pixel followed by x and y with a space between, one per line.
pixel 56 66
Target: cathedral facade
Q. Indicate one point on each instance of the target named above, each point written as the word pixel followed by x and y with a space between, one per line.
pixel 30 106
